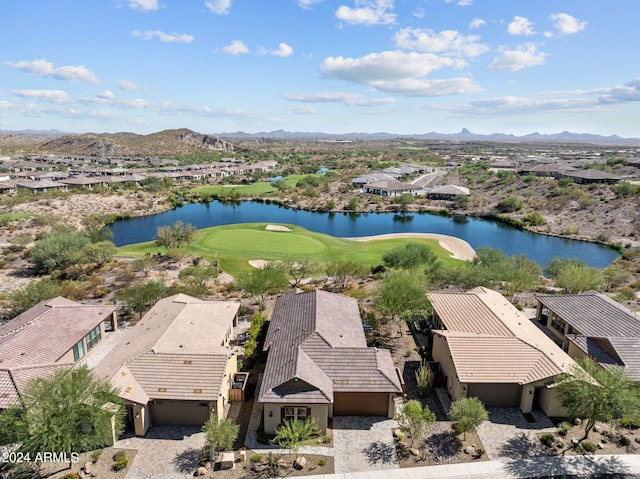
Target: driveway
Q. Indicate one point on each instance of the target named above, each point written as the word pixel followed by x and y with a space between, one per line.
pixel 508 434
pixel 169 452
pixel 363 444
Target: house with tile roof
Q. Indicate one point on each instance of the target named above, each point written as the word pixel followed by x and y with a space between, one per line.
pixel 319 364
pixel 175 366
pixel 592 324
pixel 56 333
pixel 488 349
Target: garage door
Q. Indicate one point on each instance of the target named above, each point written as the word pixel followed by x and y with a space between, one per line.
pixel 360 404
pixel 179 413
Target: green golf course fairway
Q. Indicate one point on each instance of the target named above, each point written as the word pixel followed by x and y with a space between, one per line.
pixel 236 245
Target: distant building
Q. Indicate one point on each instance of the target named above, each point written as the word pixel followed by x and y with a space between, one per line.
pixel 448 192
pixel 391 188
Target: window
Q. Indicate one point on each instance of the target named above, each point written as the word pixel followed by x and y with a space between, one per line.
pixel 291 413
pixel 93 337
pixel 78 351
pixel 558 325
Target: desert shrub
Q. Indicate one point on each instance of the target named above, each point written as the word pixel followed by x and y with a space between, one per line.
pixel 625 441
pixel 321 462
pixel 547 439
pixel 509 204
pixel 70 475
pixel 256 458
pixel 120 461
pixel 564 427
pixel 95 455
pixel 529 178
pixel 588 446
pixel 534 219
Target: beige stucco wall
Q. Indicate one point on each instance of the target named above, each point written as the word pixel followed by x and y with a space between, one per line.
pixel 231 369
pixel 272 411
pixel 550 403
pixel 141 419
pixel 442 355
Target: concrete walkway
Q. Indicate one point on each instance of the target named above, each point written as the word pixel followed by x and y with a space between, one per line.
pixel 624 466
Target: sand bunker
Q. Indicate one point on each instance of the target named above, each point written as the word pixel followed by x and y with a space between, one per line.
pixel 277 228
pixel 460 249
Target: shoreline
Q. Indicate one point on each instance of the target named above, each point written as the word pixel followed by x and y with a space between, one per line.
pixel 458 248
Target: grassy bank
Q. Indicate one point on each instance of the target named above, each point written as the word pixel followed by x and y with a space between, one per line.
pixel 235 245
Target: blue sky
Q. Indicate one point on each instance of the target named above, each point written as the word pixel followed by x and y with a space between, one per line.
pixel 400 66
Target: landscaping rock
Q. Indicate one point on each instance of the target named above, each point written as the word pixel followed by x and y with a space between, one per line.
pixel 201 471
pixel 470 450
pixel 597 428
pixel 574 441
pixel 637 439
pixel 88 467
pixel 600 446
pixel 414 451
pixel 397 433
pixel 577 421
pixel 257 467
pixel 208 465
pixel 300 462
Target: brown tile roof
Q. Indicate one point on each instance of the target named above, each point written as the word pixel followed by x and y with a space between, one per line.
pixel 314 339
pixel 13 381
pixel 151 355
pixel 180 376
pixel 47 331
pixel 491 341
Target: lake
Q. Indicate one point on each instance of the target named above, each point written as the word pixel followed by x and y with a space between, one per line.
pixel 476 232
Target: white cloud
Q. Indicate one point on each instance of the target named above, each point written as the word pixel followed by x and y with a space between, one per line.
pixel 51 96
pixel 236 47
pixel 5 105
pixel 524 56
pixel 425 87
pixel 307 4
pixel 144 5
pixel 164 37
pixel 565 24
pixel 349 99
pixel 520 26
pixel 128 85
pixel 107 95
pixel 283 51
pixel 367 12
pixel 45 68
pixel 220 7
pixel 461 3
pixel 303 110
pixel 447 42
pixel 398 72
pixel 476 23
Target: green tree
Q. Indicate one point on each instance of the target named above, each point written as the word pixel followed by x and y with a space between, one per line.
pixel 509 204
pixel 175 236
pixel 261 282
pixel 294 432
pixel 28 296
pixel 140 297
pixel 410 256
pixel 467 414
pixel 57 251
pixel 95 228
pixel 196 277
pixel 399 293
pixel 414 419
pixel 404 200
pixel 220 434
pixel 615 276
pixel 597 394
pixel 575 278
pixel 98 253
pixel 343 272
pixel 145 264
pixel 354 203
pixel 71 412
pixel 298 269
